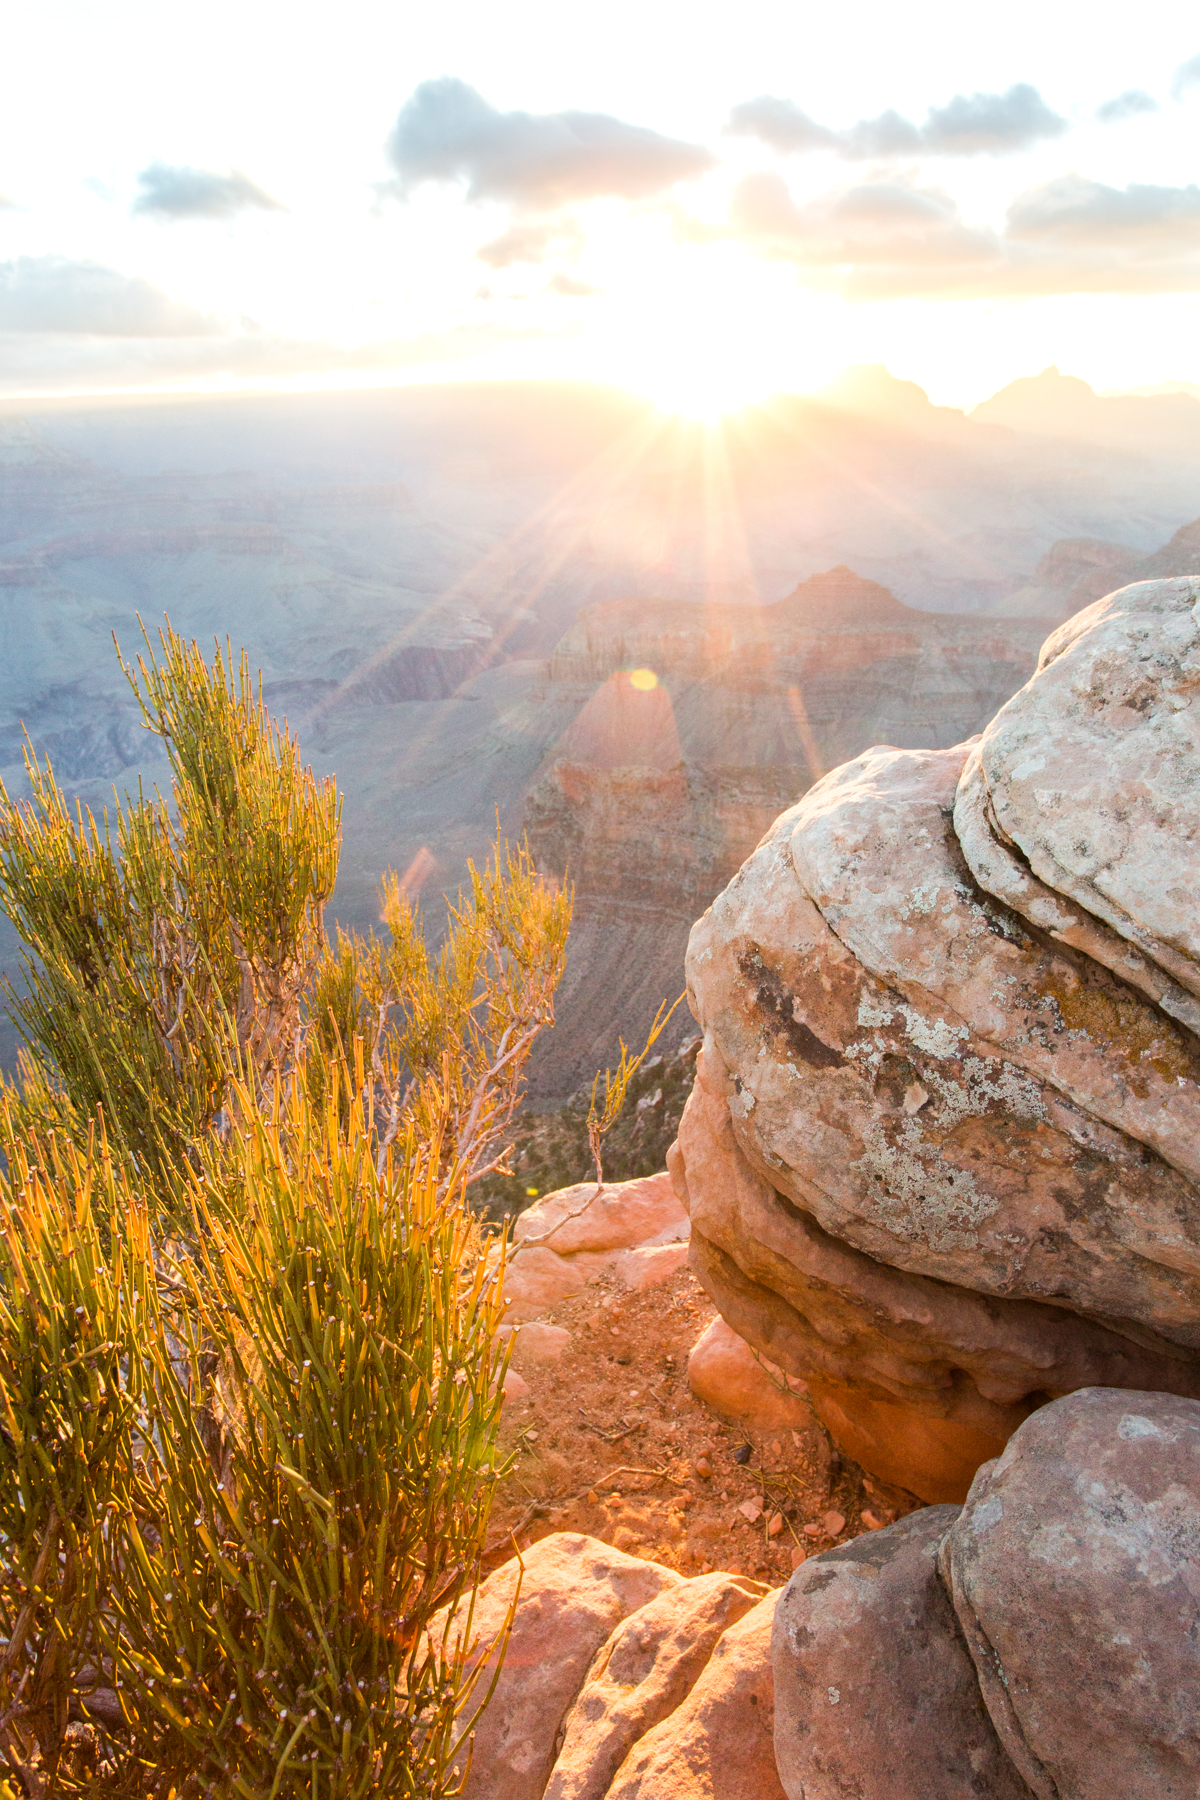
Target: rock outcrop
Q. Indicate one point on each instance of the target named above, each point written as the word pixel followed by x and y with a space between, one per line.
pixel 636 1229
pixel 941 1158
pixel 876 1693
pixel 1041 1642
pixel 622 1679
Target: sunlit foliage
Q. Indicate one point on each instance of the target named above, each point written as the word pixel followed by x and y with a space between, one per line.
pixel 249 1363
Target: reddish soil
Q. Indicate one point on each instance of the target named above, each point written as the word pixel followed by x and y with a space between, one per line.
pixel 611 1441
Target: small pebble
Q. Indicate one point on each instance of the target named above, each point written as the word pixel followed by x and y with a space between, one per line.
pixel 703 1468
pixel 743 1453
pixel 833 1522
pixel 775 1525
pixel 798 1556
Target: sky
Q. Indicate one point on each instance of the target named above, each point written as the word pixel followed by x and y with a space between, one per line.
pixel 702 202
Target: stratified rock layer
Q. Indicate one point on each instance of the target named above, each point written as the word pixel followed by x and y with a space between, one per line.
pixel 941 1158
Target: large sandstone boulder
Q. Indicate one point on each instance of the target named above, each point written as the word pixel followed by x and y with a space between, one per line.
pixel 647 1668
pixel 1075 1573
pixel 875 1692
pixel 942 1156
pixel 572 1591
pixel 719 1743
pixel 724 1372
pixel 1042 1641
pixel 635 1229
pixel 621 1679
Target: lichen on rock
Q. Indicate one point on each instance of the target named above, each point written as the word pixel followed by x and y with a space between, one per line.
pixel 951 1061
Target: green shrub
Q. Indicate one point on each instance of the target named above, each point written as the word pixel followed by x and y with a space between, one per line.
pixel 251 1399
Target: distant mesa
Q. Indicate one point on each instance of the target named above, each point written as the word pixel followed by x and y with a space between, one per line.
pixel 1061 406
pixel 840 600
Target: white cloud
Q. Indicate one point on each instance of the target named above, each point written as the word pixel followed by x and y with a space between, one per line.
pixel 532 241
pixel 59 294
pixel 968 125
pixel 1133 103
pixel 175 191
pixel 447 132
pixel 893 239
pixel 1077 211
pixel 1186 77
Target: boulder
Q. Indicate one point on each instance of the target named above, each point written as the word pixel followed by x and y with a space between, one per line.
pixel 538 1342
pixel 573 1591
pixel 635 1229
pixel 539 1280
pixel 727 1375
pixel 920 1381
pixel 875 1691
pixel 718 1744
pixel 1075 1574
pixel 942 1156
pixel 614 1217
pixel 1093 769
pixel 648 1264
pixel 643 1673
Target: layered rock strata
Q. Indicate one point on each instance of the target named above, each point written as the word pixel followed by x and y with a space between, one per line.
pixel 941 1158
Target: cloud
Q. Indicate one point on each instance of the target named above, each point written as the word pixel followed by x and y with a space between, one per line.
pixel 571 287
pixel 880 223
pixel 56 294
pixel 893 239
pixel 968 125
pixel 532 242
pixel 1077 211
pixel 780 125
pixel 992 123
pixel 448 132
pixel 174 191
pixel 1186 76
pixel 1128 105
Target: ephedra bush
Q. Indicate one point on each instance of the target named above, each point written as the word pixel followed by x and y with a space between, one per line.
pixel 249 1362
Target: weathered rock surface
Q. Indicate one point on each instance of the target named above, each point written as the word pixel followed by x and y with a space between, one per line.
pixel 719 1743
pixel 919 1380
pixel 1075 1573
pixel 941 1155
pixel 875 1692
pixel 1093 772
pixel 574 1590
pixel 637 1228
pixel 624 1679
pixel 643 1673
pixel 725 1373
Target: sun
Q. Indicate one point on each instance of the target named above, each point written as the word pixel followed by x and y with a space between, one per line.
pixel 705 394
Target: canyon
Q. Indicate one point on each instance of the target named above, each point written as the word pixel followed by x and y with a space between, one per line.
pixel 442 588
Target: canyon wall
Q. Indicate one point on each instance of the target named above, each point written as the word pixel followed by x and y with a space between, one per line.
pixel 653 795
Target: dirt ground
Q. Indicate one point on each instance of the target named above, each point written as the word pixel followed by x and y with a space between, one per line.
pixel 610 1440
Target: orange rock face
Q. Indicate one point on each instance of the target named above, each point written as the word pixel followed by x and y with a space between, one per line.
pixel 725 1373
